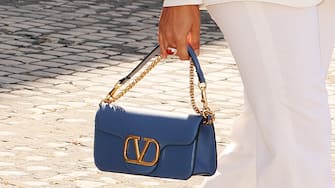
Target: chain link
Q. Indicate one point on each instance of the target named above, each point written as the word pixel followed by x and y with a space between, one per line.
pixel 192 95
pixel 110 98
pixel 205 112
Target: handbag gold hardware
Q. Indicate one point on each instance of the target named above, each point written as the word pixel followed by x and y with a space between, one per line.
pixel 206 112
pixel 112 96
pixel 140 155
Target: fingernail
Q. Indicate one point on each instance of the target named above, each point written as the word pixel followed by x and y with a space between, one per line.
pixel 197 52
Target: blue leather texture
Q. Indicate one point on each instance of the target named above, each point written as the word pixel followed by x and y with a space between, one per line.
pixel 186 146
pixel 196 63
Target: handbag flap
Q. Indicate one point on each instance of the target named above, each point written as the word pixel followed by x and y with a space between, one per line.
pixel 166 128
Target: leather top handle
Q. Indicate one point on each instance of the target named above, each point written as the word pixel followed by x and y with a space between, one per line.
pixel 196 64
pixel 154 53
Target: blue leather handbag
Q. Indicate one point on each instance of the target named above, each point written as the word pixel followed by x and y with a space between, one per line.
pixel 151 143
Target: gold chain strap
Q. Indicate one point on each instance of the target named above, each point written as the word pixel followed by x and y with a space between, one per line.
pixel 111 97
pixel 205 112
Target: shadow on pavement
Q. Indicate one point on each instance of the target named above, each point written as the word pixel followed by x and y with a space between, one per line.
pixel 46 39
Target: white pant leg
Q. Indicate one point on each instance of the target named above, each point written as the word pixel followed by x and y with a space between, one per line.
pixel 327 32
pixel 277 49
pixel 237 163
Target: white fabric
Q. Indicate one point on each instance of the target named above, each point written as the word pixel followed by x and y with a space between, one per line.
pixel 295 3
pixel 282 139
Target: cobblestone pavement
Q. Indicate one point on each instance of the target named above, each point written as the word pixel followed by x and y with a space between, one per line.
pixel 58 58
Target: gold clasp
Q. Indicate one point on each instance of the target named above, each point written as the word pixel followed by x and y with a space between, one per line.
pixel 140 155
pixel 206 112
pixel 110 96
pixel 202 87
pixel 113 95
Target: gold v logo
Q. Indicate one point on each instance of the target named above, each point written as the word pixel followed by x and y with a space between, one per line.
pixel 140 155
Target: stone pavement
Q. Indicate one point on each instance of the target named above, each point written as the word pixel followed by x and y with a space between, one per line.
pixel 58 58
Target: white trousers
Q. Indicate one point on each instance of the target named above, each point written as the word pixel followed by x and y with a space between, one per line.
pixel 283 137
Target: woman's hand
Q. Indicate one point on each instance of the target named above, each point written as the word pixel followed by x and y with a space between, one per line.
pixel 178 27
